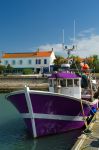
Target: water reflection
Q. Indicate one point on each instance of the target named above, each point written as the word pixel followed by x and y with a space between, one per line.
pixel 14 136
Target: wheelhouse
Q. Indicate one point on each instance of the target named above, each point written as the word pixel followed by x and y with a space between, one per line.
pixel 65 83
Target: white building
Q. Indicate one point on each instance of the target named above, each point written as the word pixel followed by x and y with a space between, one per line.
pixel 39 61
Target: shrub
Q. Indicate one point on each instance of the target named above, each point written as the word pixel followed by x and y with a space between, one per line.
pixel 2 69
pixel 27 71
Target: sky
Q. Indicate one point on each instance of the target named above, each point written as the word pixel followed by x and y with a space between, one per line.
pixel 26 25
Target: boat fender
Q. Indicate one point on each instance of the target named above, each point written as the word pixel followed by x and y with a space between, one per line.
pixel 93 111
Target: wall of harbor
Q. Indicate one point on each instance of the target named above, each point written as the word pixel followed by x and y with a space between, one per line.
pixel 12 83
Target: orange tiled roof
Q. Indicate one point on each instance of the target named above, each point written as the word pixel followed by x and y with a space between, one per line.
pixel 24 55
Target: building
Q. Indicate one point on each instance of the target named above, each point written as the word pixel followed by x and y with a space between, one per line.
pixel 39 61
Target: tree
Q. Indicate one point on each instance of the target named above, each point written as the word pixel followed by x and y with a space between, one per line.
pixel 2 68
pixel 76 62
pixel 9 68
pixel 59 60
pixel 89 61
pixel 95 59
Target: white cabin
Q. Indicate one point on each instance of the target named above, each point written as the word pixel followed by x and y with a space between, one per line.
pixel 66 86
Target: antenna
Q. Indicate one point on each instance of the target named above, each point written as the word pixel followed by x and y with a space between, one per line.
pixel 63 39
pixel 74 40
pixel 65 46
pixel 63 36
pixel 74 31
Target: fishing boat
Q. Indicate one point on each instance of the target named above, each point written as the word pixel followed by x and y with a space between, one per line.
pixel 65 107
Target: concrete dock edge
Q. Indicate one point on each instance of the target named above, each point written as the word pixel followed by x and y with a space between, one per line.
pixel 81 139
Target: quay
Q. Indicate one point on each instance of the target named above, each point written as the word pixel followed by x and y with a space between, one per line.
pixel 89 141
pixel 18 82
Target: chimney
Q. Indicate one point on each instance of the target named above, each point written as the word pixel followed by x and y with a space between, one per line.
pixel 38 50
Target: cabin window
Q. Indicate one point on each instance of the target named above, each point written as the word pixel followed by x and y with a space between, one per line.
pixel 76 82
pixel 63 83
pixel 50 82
pixel 55 82
pixel 58 82
pixel 69 83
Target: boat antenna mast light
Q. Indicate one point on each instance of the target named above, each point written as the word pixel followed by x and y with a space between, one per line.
pixel 73 47
pixel 69 50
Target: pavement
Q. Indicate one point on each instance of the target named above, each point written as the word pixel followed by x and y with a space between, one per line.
pixel 90 140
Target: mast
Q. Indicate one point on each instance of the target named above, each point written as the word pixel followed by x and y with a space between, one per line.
pixel 63 39
pixel 74 32
pixel 65 47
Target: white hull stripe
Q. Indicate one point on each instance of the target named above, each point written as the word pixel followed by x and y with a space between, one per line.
pixel 51 116
pixel 29 104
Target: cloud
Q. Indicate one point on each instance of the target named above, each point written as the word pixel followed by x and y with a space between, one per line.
pixel 87 44
pixel 86 32
pixel 56 47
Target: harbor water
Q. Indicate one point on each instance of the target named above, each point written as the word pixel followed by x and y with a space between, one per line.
pixel 14 135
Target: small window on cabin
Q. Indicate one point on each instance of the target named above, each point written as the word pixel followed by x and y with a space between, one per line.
pixel 58 82
pixel 55 82
pixel 76 82
pixel 63 83
pixel 69 83
pixel 50 83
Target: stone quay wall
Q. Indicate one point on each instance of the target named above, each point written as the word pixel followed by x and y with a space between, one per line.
pixel 12 83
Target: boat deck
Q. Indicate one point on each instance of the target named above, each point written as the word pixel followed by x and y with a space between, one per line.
pixel 90 140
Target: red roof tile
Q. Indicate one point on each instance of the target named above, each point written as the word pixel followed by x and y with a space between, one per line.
pixel 24 55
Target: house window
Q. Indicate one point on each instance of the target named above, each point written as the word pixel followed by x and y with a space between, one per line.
pixel 13 62
pixel 20 62
pixel 6 62
pixel 38 61
pixel 45 61
pixel 30 61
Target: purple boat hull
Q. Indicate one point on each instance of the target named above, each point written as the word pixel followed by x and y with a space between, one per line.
pixel 48 113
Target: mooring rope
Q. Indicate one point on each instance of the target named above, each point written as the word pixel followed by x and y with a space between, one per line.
pixel 84 117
